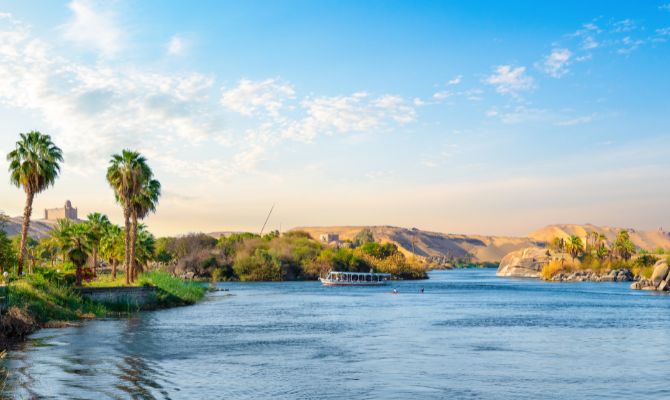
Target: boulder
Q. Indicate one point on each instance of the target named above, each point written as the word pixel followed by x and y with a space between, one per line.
pixel 525 263
pixel 636 286
pixel 660 272
pixel 662 286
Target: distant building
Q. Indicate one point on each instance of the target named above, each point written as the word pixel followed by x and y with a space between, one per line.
pixel 329 238
pixel 67 212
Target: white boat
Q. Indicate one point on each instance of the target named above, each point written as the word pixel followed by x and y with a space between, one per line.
pixel 337 278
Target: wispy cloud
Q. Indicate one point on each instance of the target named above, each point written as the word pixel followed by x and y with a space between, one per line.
pixel 250 97
pixel 93 28
pixel 557 62
pixel 510 80
pixel 176 45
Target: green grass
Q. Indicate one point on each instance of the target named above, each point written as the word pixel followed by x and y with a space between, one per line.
pixel 105 280
pixel 172 290
pixel 50 301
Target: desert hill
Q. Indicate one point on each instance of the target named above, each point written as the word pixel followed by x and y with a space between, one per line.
pixel 478 248
pixel 38 228
pixel 648 240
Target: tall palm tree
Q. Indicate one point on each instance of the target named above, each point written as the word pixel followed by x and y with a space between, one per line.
pixel 111 246
pixel 34 165
pixel 96 224
pixel 144 203
pixel 126 173
pixel 574 246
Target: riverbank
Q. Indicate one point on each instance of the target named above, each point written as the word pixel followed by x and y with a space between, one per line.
pixel 38 301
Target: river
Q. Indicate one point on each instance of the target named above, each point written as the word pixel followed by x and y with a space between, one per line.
pixel 470 335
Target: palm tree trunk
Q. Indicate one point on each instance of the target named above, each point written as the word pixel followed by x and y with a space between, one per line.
pixel 24 230
pixel 95 260
pixel 133 247
pixel 126 216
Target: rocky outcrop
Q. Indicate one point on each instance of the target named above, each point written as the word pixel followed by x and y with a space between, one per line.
pixel 660 278
pixel 615 275
pixel 526 263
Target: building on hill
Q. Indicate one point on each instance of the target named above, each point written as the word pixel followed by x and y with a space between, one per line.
pixel 67 212
pixel 328 238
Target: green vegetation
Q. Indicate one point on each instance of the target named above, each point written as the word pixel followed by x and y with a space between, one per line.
pixel 173 291
pixel 273 257
pixel 598 255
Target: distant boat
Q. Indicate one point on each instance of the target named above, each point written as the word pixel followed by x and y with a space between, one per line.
pixel 337 278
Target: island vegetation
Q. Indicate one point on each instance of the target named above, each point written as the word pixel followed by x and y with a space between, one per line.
pixel 597 255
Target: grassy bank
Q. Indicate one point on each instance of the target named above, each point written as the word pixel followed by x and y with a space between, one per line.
pixel 37 301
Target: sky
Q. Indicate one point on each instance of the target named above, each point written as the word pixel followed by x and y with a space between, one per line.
pixel 461 117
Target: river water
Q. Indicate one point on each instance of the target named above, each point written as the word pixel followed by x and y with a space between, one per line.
pixel 471 335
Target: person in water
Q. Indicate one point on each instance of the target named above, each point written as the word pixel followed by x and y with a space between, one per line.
pixel 395 291
pixel 421 290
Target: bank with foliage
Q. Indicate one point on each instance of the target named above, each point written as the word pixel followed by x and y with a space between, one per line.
pixel 293 255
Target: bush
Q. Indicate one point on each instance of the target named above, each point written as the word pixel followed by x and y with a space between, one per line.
pixel 172 290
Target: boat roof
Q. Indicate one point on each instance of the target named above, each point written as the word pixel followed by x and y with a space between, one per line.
pixel 359 273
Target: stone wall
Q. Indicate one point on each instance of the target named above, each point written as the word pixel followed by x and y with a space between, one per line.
pixel 138 296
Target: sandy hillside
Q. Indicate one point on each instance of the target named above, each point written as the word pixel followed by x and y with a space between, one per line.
pixel 648 240
pixel 38 228
pixel 434 244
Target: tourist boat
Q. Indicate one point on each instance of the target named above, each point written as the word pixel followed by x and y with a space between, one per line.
pixel 337 278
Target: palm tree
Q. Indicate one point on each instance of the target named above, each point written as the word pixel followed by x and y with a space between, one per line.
pixel 96 224
pixel 111 246
pixel 34 165
pixel 146 246
pixel 78 247
pixel 58 236
pixel 574 246
pixel 125 174
pixel 144 203
pixel 623 246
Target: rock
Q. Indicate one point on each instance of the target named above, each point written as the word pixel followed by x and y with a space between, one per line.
pixel 660 272
pixel 662 286
pixel 525 263
pixel 636 286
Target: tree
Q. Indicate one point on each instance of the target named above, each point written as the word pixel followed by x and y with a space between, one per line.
pixel 78 247
pixel 126 174
pixel 7 253
pixel 97 224
pixel 146 246
pixel 364 236
pixel 112 246
pixel 34 165
pixel 574 246
pixel 58 237
pixel 623 246
pixel 143 203
pixel 557 244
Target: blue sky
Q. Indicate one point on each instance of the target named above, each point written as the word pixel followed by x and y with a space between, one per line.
pixel 483 117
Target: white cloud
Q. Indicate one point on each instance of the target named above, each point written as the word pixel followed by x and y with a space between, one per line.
pixel 665 7
pixel 94 29
pixel 441 95
pixel 250 97
pixel 356 113
pixel 510 80
pixel 556 63
pixel 176 46
pixel 456 80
